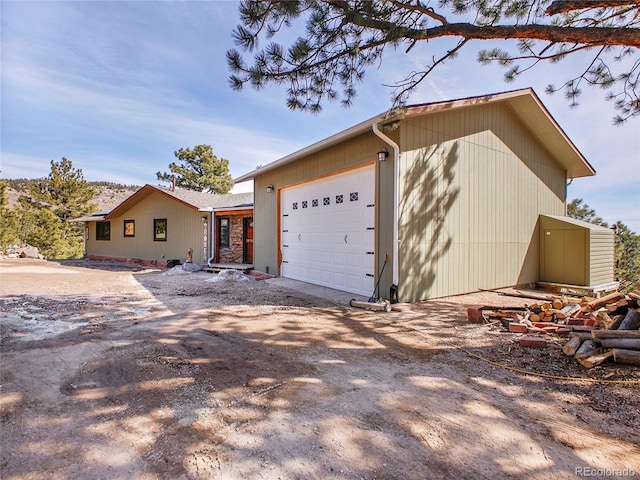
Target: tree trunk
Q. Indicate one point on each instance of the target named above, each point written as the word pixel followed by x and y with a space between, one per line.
pixel 628 357
pixel 626 343
pixel 631 321
pixel 587 349
pixel 571 347
pixel 601 302
pixel 603 320
pixel 605 334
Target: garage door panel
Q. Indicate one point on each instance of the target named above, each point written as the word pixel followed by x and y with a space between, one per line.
pixel 327 230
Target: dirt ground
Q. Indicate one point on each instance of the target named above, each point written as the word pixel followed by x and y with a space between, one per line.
pixel 112 371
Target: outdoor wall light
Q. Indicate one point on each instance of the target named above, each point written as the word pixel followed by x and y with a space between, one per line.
pixel 383 154
pixel 269 188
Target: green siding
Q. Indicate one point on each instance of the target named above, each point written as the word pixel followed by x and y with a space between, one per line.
pixel 184 231
pixel 473 182
pixel 357 151
pixel 576 253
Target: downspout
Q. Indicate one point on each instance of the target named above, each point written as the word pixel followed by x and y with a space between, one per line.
pixel 396 196
pixel 212 236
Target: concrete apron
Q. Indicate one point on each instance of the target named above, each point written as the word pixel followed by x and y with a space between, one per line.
pixel 337 296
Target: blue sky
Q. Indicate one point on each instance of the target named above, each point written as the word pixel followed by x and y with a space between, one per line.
pixel 117 87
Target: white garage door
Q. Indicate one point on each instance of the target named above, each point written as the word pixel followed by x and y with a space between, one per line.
pixel 327 235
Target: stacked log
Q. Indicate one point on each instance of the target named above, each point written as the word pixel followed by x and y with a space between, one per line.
pixel 616 332
pixel 598 329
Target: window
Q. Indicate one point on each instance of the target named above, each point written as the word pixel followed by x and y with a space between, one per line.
pixel 160 229
pixel 103 230
pixel 129 228
pixel 223 232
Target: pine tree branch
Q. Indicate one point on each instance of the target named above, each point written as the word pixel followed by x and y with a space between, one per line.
pixel 564 6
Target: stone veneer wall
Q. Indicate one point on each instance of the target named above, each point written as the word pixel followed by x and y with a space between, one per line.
pixel 233 253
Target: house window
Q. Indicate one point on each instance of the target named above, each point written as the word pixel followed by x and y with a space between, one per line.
pixel 223 232
pixel 103 230
pixel 160 229
pixel 129 228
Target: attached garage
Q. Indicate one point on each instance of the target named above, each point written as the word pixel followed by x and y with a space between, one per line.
pixel 327 231
pixel 449 192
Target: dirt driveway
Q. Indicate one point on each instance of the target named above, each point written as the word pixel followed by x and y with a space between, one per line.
pixel 116 372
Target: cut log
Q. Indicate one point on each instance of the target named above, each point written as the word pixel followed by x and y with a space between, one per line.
pixel 601 302
pixel 631 321
pixel 557 304
pixel 604 334
pixel 571 309
pixel 612 307
pixel 575 340
pixel 626 343
pixel 596 359
pixel 628 357
pixel 587 349
pixel 635 294
pixel 603 320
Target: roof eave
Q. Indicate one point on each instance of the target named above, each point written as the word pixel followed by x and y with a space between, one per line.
pixel 538 120
pixel 316 147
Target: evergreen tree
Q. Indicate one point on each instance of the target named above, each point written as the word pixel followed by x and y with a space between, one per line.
pixel 581 211
pixel 627 257
pixel 49 204
pixel 8 220
pixel 627 250
pixel 199 170
pixel 339 40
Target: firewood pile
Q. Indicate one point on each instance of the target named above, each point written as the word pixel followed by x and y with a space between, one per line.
pixel 597 330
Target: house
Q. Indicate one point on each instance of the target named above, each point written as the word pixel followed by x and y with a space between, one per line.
pixel 158 225
pixel 444 198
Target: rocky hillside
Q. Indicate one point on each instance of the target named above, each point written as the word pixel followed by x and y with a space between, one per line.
pixel 108 196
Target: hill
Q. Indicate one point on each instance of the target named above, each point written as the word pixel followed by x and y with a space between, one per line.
pixel 108 195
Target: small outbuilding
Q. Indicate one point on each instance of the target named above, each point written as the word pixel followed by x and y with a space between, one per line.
pixel 441 199
pixel 161 226
pixel 576 253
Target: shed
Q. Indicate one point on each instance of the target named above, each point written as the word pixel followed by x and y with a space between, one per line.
pixel 576 253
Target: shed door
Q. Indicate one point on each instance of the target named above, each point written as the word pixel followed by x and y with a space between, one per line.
pixel 327 231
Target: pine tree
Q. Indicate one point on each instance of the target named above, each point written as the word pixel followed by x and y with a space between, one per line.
pixel 336 42
pixel 627 257
pixel 8 220
pixel 627 250
pixel 199 170
pixel 49 205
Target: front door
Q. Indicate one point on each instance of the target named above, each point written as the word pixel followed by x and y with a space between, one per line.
pixel 247 255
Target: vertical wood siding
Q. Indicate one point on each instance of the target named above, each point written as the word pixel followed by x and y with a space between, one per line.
pixel 184 231
pixel 585 256
pixel 473 182
pixel 347 155
pixel 602 257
